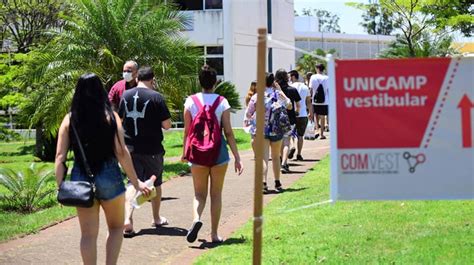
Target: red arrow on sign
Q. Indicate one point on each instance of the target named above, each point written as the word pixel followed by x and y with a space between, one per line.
pixel 465 105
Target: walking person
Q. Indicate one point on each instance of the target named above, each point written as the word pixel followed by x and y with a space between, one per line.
pixel 281 77
pixel 320 99
pixel 273 94
pixel 250 123
pixel 129 74
pixel 100 133
pixel 302 118
pixel 209 167
pixel 144 114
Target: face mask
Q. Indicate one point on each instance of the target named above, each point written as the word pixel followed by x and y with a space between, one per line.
pixel 127 76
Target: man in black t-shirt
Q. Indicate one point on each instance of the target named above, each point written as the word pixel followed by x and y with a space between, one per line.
pixel 144 114
pixel 281 77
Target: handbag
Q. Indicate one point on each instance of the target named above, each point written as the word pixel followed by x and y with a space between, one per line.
pixel 77 193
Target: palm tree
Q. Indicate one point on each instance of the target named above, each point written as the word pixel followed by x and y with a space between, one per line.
pixel 25 190
pixel 99 37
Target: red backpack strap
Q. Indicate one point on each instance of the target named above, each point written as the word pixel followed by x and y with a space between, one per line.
pixel 197 102
pixel 216 103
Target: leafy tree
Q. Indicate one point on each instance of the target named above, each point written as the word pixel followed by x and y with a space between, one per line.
pixel 99 38
pixel 327 21
pixel 25 21
pixel 376 19
pixel 307 62
pixel 416 18
pixel 454 14
pixel 427 44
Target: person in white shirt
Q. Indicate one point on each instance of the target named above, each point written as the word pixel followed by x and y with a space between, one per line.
pixel 302 118
pixel 319 101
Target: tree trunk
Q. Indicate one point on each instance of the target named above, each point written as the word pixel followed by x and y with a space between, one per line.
pixel 39 141
pixel 45 148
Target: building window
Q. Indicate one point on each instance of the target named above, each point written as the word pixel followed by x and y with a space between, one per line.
pixel 214 57
pixel 213 4
pixel 199 4
pixel 190 4
pixel 270 60
pixel 269 16
pixel 217 64
pixel 215 50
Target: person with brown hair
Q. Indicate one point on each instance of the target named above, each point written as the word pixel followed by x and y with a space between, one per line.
pixel 250 122
pixel 252 91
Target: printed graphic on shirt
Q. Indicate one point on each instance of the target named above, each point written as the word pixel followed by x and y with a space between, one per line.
pixel 134 113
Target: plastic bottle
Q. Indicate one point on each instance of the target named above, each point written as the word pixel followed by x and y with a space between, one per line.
pixel 140 198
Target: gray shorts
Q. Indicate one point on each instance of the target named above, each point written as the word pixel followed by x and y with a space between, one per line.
pixel 148 165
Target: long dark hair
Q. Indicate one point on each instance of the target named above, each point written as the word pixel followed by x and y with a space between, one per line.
pixel 92 116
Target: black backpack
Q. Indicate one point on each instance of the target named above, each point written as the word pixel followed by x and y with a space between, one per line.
pixel 319 96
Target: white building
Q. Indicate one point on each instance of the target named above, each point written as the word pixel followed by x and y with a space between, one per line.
pixel 347 46
pixel 227 31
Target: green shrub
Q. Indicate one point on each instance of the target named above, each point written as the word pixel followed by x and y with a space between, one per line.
pixel 8 135
pixel 27 189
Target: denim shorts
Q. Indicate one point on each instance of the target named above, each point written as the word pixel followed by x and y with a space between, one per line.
pixel 274 138
pixel 108 182
pixel 223 157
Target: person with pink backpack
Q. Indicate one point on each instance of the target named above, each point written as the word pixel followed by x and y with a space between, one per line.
pixel 206 121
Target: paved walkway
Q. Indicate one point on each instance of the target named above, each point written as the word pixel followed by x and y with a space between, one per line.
pixel 59 244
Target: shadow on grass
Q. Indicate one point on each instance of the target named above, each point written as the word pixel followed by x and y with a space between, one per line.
pixel 208 245
pixel 22 150
pixel 176 167
pixel 241 140
pixel 163 231
pixel 284 190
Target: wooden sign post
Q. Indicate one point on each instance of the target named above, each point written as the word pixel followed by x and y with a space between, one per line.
pixel 258 195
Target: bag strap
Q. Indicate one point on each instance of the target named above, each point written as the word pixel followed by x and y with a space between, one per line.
pixel 216 103
pixel 197 102
pixel 83 154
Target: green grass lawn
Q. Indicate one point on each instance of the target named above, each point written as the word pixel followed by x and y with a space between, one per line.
pixel 396 232
pixel 18 155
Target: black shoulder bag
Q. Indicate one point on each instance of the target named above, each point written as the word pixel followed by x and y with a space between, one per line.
pixel 77 193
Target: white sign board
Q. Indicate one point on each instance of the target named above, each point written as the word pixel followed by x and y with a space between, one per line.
pixel 402 129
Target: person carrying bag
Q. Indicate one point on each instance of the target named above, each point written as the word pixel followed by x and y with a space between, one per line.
pixel 77 193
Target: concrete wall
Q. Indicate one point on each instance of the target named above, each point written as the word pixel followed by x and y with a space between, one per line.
pixel 207 27
pixel 235 27
pixel 246 16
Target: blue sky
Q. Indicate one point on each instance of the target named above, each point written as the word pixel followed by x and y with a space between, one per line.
pixel 350 17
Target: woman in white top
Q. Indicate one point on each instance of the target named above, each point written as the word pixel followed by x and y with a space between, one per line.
pixel 270 142
pixel 215 174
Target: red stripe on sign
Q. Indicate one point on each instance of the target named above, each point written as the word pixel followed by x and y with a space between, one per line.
pixel 386 103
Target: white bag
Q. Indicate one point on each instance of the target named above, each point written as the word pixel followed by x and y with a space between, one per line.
pixel 309 132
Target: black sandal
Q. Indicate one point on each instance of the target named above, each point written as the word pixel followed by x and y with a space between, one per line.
pixel 193 232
